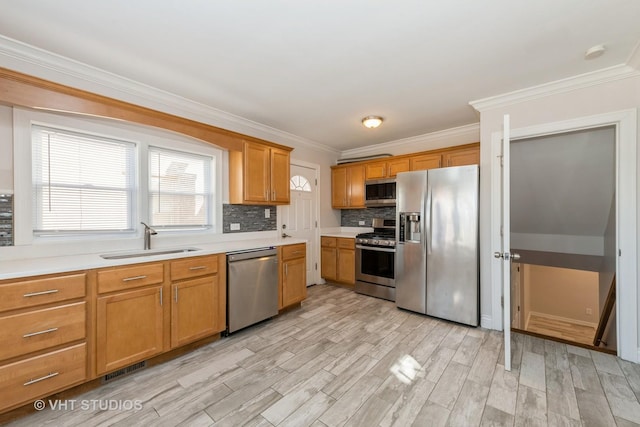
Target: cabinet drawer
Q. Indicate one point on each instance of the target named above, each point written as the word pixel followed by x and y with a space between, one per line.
pixel 346 243
pixel 294 251
pixel 130 277
pixel 41 291
pixel 328 242
pixel 193 267
pixel 40 329
pixel 41 375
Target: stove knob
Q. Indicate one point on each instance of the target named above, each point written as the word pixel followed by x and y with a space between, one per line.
pixel 375 242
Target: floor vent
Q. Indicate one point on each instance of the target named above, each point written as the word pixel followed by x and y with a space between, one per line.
pixel 124 371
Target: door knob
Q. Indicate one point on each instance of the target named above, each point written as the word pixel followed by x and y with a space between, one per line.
pixel 515 257
pixel 497 255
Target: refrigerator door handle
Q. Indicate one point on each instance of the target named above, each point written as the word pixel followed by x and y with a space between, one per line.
pixel 428 231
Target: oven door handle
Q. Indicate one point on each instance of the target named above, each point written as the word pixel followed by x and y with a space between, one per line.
pixel 375 248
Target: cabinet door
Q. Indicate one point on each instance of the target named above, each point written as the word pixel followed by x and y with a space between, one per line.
pixel 294 281
pixel 339 188
pixel 129 328
pixel 194 310
pixel 375 170
pixel 346 266
pixel 425 161
pixel 463 157
pixel 356 187
pixel 280 176
pixel 396 166
pixel 256 172
pixel 328 258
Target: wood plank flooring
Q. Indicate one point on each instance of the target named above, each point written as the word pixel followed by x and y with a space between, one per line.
pixel 561 329
pixel 345 359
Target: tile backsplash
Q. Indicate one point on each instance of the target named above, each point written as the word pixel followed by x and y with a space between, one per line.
pixel 6 220
pixel 352 217
pixel 250 218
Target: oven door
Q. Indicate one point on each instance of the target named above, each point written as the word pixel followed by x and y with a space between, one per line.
pixel 375 265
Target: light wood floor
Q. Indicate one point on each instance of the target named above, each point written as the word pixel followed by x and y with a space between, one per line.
pixel 561 329
pixel 349 359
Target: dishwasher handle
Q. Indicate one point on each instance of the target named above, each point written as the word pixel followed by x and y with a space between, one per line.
pixel 251 254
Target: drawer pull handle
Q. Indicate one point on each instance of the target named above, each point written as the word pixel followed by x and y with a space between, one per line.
pixel 128 279
pixel 46 377
pixel 297 252
pixel 200 267
pixel 35 294
pixel 33 334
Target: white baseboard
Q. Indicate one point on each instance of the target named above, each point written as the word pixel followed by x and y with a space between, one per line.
pixel 486 322
pixel 565 319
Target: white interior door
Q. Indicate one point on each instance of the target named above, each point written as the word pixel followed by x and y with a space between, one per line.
pixel 504 254
pixel 299 219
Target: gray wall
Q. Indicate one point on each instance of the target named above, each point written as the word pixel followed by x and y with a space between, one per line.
pixel 250 218
pixel 6 220
pixel 352 217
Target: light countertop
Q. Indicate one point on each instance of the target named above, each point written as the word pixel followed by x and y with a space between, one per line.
pixel 12 269
pixel 346 232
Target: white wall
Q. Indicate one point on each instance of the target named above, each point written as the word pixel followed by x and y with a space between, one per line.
pixel 580 102
pixel 6 150
pixel 563 292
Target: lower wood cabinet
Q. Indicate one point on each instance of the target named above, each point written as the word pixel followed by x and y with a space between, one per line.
pixel 43 334
pixel 293 274
pixel 194 310
pixel 129 327
pixel 338 259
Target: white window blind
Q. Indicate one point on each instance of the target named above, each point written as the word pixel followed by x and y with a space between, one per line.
pixel 82 183
pixel 180 193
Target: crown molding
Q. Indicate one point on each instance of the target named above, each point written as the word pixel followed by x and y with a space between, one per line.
pixel 472 130
pixel 47 65
pixel 634 57
pixel 581 81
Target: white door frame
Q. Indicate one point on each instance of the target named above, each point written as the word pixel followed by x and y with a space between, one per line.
pixel 625 123
pixel 316 250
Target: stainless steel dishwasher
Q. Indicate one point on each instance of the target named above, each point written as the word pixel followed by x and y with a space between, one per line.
pixel 252 287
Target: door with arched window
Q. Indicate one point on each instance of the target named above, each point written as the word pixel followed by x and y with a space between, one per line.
pixel 299 219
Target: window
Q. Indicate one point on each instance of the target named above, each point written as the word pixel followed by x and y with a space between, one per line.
pixel 299 183
pixel 81 182
pixel 179 189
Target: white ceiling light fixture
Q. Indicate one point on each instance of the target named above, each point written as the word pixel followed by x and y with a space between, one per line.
pixel 594 51
pixel 372 122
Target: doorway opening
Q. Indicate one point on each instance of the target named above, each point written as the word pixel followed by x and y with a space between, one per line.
pixel 563 226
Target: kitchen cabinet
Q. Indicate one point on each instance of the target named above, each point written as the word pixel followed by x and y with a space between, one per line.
pixel 195 299
pixel 338 259
pixel 425 161
pixel 293 274
pixel 43 334
pixel 259 175
pixel 461 157
pixel 130 320
pixel 387 168
pixel 347 187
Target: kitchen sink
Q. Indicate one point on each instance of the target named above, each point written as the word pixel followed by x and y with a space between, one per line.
pixel 145 253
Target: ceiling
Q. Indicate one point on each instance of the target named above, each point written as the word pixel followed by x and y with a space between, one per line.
pixel 315 68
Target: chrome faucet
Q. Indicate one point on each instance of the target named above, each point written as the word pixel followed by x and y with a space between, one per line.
pixel 148 232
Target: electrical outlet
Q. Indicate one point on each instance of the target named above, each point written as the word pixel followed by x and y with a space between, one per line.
pixel 234 226
pixel 589 311
pixel 267 213
pixel 360 222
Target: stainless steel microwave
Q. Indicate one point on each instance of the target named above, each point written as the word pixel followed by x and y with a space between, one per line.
pixel 380 192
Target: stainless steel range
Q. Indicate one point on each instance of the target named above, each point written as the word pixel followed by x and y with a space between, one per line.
pixel 375 260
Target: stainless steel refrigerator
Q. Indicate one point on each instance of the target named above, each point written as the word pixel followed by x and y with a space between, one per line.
pixel 436 262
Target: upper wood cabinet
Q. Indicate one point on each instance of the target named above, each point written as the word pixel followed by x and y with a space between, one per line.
pixel 426 161
pixel 259 175
pixel 347 187
pixel 461 157
pixel 387 168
